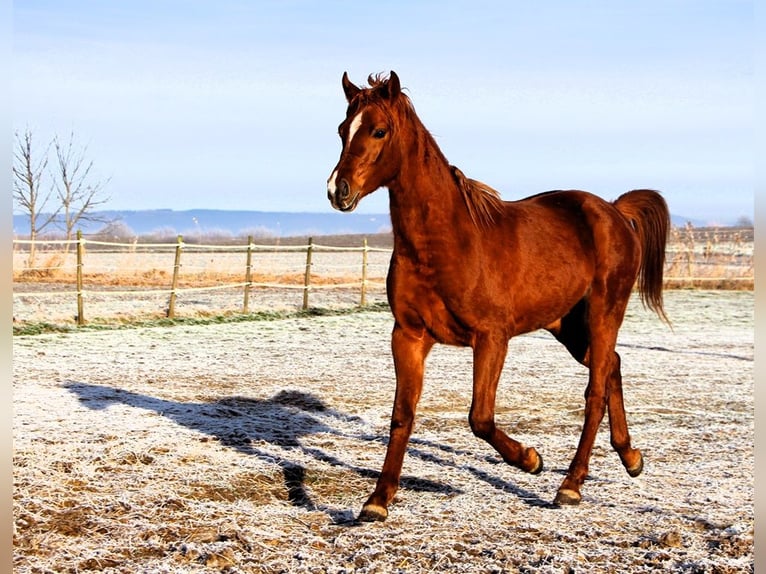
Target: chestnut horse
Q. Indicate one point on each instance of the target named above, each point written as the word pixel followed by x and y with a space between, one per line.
pixel 470 269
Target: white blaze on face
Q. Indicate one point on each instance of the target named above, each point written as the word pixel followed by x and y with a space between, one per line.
pixel 355 123
pixel 353 128
pixel 331 182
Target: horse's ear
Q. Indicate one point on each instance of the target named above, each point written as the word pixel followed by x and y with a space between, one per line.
pixel 394 87
pixel 349 88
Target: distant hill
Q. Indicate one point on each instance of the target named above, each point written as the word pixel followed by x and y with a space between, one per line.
pixel 213 222
pixel 206 222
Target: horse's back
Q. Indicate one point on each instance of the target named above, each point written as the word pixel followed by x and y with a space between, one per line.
pixel 592 221
pixel 571 203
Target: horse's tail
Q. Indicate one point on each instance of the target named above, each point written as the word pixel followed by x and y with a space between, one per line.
pixel 648 214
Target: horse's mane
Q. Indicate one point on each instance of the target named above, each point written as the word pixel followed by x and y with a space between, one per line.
pixel 377 82
pixel 482 201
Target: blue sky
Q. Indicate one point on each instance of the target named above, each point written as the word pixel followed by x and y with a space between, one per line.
pixel 235 104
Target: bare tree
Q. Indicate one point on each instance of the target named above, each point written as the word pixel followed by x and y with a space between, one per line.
pixel 28 171
pixel 77 191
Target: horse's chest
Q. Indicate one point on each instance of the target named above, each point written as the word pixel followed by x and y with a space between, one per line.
pixel 420 298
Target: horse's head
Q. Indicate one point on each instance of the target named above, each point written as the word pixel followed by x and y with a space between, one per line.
pixel 370 157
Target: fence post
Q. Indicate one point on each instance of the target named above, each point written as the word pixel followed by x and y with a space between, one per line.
pixel 363 300
pixel 307 276
pixel 176 266
pixel 80 312
pixel 248 274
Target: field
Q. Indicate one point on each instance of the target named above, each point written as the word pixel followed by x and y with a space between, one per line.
pixel 250 447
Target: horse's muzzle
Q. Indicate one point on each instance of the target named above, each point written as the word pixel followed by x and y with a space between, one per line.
pixel 340 197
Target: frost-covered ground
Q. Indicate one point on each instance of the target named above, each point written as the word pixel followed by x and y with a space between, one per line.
pixel 250 447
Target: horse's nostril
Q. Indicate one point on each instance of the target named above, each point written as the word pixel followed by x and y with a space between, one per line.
pixel 343 189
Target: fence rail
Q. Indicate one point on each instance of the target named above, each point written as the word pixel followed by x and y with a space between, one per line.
pixel 106 268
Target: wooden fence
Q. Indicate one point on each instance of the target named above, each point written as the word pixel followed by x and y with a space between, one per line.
pixel 710 260
pixel 83 246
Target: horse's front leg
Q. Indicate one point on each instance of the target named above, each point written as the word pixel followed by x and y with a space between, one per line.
pixel 409 351
pixel 488 358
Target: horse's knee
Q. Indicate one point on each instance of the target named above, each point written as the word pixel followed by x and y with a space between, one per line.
pixel 402 425
pixel 402 420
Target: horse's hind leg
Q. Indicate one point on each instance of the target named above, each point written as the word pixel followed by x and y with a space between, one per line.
pixel 604 391
pixel 489 356
pixel 631 458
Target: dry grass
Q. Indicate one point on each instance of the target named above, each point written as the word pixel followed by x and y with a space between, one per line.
pixel 710 258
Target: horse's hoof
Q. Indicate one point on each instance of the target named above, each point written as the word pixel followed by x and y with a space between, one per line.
pixel 373 513
pixel 636 469
pixel 566 497
pixel 538 468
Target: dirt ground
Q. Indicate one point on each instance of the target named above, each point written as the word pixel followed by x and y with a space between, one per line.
pixel 250 447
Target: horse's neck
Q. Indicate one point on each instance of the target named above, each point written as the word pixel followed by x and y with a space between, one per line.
pixel 424 204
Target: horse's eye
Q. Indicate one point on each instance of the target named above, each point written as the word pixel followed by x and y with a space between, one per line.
pixel 379 133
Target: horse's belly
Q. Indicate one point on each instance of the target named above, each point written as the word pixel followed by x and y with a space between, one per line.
pixel 535 308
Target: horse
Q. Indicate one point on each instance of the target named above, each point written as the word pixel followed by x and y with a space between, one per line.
pixel 470 269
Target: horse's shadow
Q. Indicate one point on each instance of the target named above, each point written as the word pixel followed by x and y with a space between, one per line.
pixel 242 423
